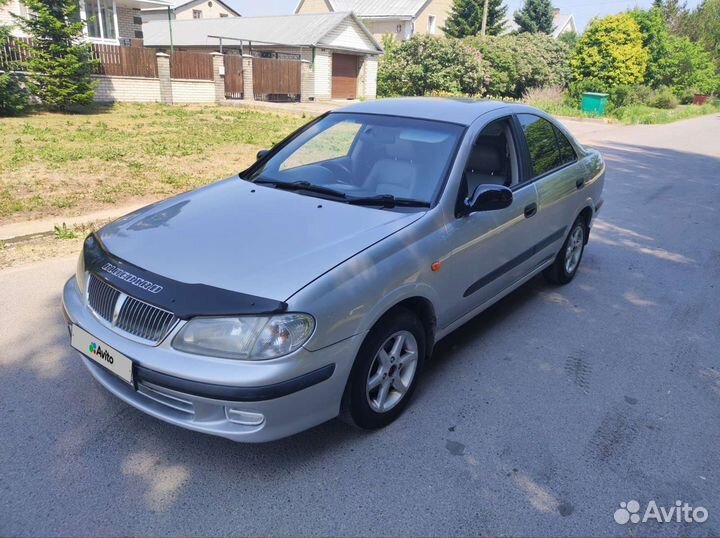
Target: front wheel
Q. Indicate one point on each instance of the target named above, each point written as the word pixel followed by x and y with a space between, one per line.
pixel 386 370
pixel 568 259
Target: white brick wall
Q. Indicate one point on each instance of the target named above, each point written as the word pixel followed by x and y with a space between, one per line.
pixel 126 22
pixel 193 91
pixel 322 69
pixel 129 89
pixel 371 66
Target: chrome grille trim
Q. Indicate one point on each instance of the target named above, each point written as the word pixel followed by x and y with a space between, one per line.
pixel 127 315
pixel 169 400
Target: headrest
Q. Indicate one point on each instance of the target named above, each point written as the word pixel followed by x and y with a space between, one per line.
pixel 485 159
pixel 401 150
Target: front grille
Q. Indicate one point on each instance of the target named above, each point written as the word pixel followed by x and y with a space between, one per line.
pixel 130 315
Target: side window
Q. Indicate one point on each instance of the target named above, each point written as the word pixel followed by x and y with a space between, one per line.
pixel 567 152
pixel 333 143
pixel 542 144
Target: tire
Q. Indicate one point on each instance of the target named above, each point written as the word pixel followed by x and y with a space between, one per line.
pixel 367 408
pixel 568 259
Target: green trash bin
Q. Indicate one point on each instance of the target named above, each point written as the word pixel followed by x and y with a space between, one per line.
pixel 594 103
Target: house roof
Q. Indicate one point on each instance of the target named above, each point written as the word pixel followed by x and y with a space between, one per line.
pixel 376 9
pixel 307 30
pixel 177 4
pixel 561 22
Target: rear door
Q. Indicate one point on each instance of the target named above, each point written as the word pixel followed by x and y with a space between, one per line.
pixel 557 174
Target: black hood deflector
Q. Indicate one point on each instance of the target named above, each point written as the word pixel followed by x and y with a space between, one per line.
pixel 183 299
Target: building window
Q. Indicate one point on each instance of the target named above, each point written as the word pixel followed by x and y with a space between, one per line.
pixel 197 14
pixel 223 15
pixel 431 24
pixel 100 19
pixel 22 9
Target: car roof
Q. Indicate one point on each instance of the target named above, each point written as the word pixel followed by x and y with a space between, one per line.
pixel 453 110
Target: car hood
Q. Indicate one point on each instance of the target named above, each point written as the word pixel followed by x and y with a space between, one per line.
pixel 248 238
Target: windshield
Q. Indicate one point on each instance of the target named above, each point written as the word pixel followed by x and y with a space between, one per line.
pixel 362 155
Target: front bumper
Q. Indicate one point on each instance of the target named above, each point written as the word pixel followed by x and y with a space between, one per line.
pixel 249 401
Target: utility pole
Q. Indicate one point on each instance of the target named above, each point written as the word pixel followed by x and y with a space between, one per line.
pixel 485 16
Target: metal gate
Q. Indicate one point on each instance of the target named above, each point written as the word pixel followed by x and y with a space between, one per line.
pixel 276 79
pixel 233 76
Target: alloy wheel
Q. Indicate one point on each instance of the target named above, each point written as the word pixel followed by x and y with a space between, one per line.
pixel 574 249
pixel 392 371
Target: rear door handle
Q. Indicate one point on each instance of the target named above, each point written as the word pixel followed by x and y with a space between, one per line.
pixel 530 210
pixel 579 183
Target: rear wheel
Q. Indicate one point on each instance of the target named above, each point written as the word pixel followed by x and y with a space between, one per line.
pixel 386 370
pixel 568 259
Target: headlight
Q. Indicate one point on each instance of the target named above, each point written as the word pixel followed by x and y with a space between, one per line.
pixel 246 337
pixel 80 274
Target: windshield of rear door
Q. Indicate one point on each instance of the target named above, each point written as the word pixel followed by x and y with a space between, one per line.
pixel 363 155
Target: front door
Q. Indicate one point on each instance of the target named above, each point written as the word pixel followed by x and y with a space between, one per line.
pixel 491 250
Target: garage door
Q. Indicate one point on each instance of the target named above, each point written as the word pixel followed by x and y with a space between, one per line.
pixel 344 76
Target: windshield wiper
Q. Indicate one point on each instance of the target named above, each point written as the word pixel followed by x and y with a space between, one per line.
pixel 388 200
pixel 302 186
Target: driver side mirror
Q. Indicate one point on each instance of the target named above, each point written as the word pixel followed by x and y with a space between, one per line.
pixel 488 197
pixel 262 153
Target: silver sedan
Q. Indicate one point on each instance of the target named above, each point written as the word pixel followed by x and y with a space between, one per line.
pixel 316 282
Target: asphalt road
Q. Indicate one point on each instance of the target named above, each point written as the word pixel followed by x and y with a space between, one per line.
pixel 537 418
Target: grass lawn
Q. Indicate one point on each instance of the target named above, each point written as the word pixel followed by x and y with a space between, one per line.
pixel 69 164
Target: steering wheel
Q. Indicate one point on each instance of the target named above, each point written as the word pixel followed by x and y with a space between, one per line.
pixel 336 168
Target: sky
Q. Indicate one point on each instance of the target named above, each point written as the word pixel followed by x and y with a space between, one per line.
pixel 583 10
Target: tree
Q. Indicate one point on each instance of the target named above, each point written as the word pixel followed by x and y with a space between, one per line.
pixel 536 16
pixel 688 66
pixel 60 61
pixel 674 61
pixel 656 39
pixel 431 65
pixel 466 18
pixel 674 11
pixel 610 53
pixel 703 25
pixel 13 95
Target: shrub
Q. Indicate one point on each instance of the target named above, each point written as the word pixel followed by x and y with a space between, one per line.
pixel 547 95
pixel 627 95
pixel 523 61
pixel 425 65
pixel 14 99
pixel 686 96
pixel 577 88
pixel 611 53
pixel 664 98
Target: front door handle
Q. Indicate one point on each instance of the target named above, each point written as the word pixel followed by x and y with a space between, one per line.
pixel 580 182
pixel 530 210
